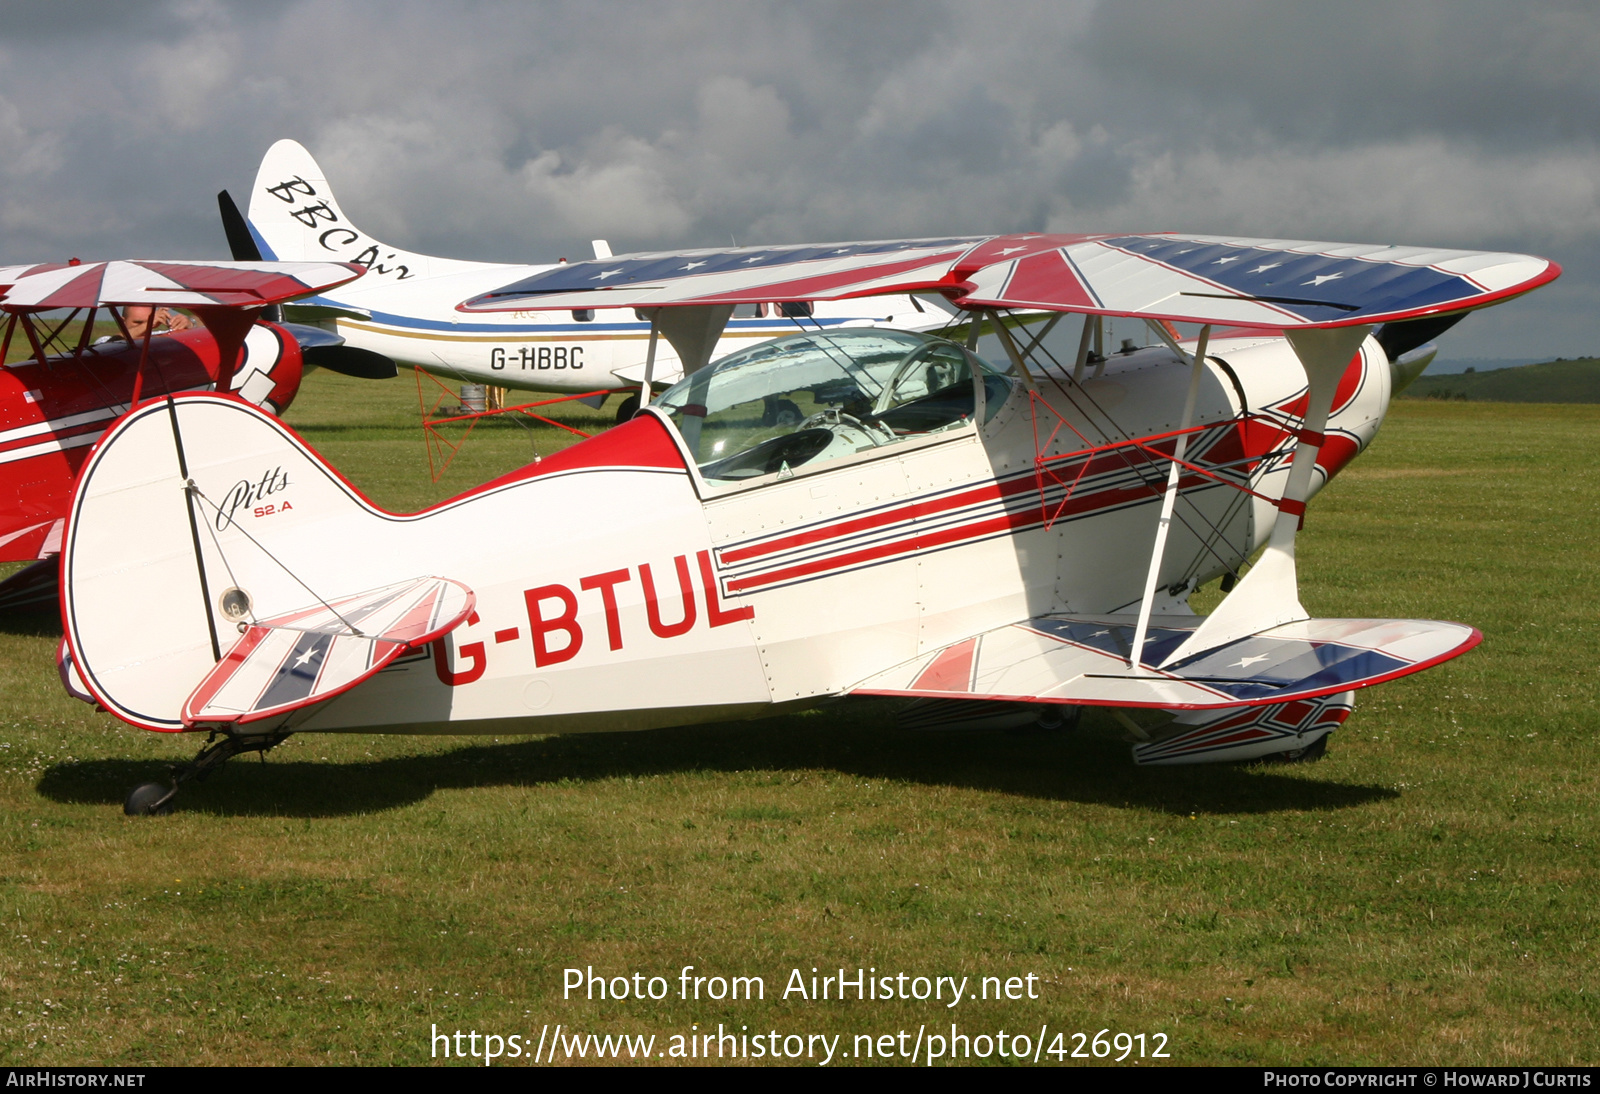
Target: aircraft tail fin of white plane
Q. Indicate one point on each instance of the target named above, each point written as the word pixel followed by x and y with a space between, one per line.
pixel 293 215
pixel 209 548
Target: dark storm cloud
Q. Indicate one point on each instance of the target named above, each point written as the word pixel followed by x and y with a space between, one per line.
pixel 1351 72
pixel 519 131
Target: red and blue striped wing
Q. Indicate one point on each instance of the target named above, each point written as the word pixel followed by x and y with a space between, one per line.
pixel 1083 660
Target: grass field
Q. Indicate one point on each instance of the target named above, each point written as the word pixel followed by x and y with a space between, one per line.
pixel 1427 894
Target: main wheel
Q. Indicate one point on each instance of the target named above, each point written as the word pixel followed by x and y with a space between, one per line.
pixel 149 800
pixel 1310 754
pixel 1055 718
pixel 627 408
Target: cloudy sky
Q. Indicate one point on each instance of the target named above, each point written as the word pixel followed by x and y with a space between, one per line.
pixel 519 131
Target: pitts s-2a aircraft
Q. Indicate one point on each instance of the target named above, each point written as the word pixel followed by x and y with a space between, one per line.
pixel 405 308
pixel 990 541
pixel 57 402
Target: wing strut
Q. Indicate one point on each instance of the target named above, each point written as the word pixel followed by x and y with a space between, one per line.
pixel 1269 595
pixel 1168 499
pixel 1089 322
pixel 649 361
pixel 1011 350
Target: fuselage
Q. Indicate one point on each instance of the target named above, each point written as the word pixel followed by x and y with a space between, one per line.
pixel 621 584
pixel 416 323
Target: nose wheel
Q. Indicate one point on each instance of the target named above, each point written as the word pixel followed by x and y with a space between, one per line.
pixel 155 799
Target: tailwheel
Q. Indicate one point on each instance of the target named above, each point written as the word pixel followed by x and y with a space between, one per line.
pixel 156 799
pixel 150 800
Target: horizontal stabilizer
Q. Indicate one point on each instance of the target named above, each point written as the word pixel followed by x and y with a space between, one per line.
pixel 303 657
pixel 1083 660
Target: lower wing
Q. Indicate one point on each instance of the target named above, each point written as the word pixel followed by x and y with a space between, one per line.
pixel 1084 660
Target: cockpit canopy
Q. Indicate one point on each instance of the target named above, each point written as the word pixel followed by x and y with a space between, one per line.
pixel 823 395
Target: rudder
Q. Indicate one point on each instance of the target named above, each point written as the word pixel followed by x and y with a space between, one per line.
pixel 294 216
pixel 148 563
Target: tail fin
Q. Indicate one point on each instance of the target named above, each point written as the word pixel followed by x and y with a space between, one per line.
pixel 293 216
pixel 193 517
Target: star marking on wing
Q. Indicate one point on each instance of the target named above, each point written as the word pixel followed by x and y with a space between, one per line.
pixel 1010 250
pixel 1320 278
pixel 1099 634
pixel 691 265
pixel 754 258
pixel 1229 258
pixel 1266 266
pixel 1246 662
pixel 305 657
pixel 605 274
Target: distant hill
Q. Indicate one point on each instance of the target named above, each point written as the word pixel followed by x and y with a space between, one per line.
pixel 1478 364
pixel 1560 381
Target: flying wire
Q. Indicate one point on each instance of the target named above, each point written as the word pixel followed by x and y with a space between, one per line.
pixel 296 577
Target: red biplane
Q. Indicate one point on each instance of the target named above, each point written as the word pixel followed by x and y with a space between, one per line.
pixel 57 401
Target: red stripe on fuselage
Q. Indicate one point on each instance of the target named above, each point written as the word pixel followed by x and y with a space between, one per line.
pixel 1098 463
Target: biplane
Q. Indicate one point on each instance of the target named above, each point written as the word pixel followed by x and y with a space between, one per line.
pixel 993 542
pixel 405 308
pixel 69 385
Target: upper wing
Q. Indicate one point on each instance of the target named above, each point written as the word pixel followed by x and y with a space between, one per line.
pixel 303 657
pixel 829 271
pixel 1198 279
pixel 168 284
pixel 1083 660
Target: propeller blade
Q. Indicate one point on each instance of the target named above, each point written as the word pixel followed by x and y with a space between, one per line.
pixel 363 364
pixel 1406 335
pixel 241 244
pixel 311 337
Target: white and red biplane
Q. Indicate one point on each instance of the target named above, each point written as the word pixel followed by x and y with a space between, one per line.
pixel 57 401
pixel 989 543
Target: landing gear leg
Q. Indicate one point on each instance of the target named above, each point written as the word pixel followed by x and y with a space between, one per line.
pixel 1310 754
pixel 155 799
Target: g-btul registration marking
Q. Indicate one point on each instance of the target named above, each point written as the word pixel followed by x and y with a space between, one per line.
pixel 566 620
pixel 553 611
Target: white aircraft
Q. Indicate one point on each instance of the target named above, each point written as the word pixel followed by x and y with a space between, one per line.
pixel 991 544
pixel 406 308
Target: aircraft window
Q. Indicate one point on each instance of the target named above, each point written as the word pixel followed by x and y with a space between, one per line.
pixel 818 396
pixel 583 315
pixel 795 309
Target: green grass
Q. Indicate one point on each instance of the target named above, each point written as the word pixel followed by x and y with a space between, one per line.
pixel 1427 894
pixel 1575 381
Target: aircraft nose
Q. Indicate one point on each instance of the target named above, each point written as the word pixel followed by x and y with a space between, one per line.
pixel 1408 366
pixel 1410 347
